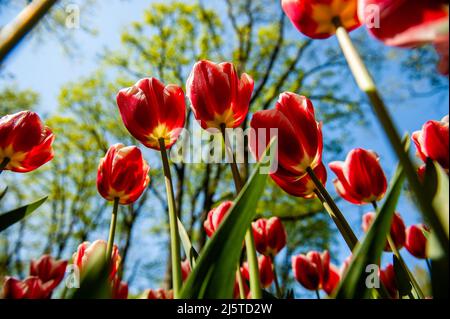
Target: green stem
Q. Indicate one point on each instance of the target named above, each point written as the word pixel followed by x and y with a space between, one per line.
pixel 334 212
pixel 275 277
pixel 173 225
pixel 240 283
pixel 428 265
pixel 112 231
pixel 317 294
pixel 255 285
pixel 3 164
pixel 367 85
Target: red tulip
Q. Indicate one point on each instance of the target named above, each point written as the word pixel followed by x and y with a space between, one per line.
pixel 270 236
pixel 30 288
pixel 25 143
pixel 316 18
pixel 215 217
pixel 299 136
pixel 398 229
pixel 432 142
pixel 236 291
pixel 360 179
pixel 405 23
pixel 119 289
pixel 311 270
pixel 218 96
pixel 416 240
pixel 122 174
pixel 50 271
pixel 152 111
pixel 333 280
pixel 299 186
pixel 265 271
pixel 185 269
pixel 387 278
pixel 158 294
pixel 87 253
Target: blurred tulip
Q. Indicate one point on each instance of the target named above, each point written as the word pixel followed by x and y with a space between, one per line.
pixel 158 294
pixel 30 288
pixel 185 269
pixel 398 229
pixel 301 186
pixel 236 291
pixel 360 179
pixel 333 280
pixel 122 174
pixel 119 289
pixel 299 135
pixel 311 270
pixel 269 235
pixel 317 18
pixel 88 253
pixel 265 271
pixel 152 111
pixel 50 271
pixel 421 171
pixel 387 278
pixel 25 143
pixel 405 23
pixel 416 240
pixel 215 217
pixel 432 142
pixel 218 96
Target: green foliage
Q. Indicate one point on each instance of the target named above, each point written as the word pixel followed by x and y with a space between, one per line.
pixel 10 218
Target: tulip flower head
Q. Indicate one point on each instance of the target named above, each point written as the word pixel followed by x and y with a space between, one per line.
pixel 25 143
pixel 405 23
pixel 219 97
pixel 158 294
pixel 265 271
pixel 152 112
pixel 185 269
pixel 312 270
pixel 299 186
pixel 269 235
pixel 88 254
pixel 398 229
pixel 416 240
pixel 299 135
pixel 30 288
pixel 318 19
pixel 333 280
pixel 236 291
pixel 432 142
pixel 50 271
pixel 215 217
pixel 360 179
pixel 387 278
pixel 119 289
pixel 122 174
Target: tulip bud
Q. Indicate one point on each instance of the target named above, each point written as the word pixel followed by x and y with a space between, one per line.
pixel 360 179
pixel 387 277
pixel 215 217
pixel 119 289
pixel 404 23
pixel 89 253
pixel 158 294
pixel 25 143
pixel 185 269
pixel 50 271
pixel 299 135
pixel 122 174
pixel 333 280
pixel 265 271
pixel 269 235
pixel 30 288
pixel 397 229
pixel 416 240
pixel 317 18
pixel 151 112
pixel 432 142
pixel 218 96
pixel 299 186
pixel 311 270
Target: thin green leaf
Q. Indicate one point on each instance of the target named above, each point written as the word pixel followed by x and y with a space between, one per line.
pixel 369 250
pixel 3 193
pixel 189 250
pixel 16 215
pixel 214 273
pixel 402 279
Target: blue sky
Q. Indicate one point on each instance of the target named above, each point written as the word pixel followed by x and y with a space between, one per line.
pixel 43 67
